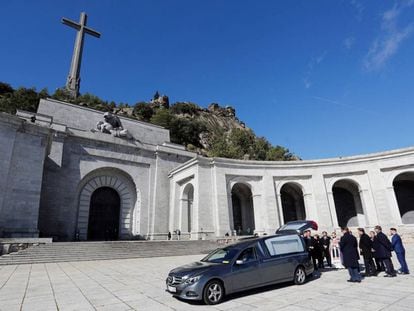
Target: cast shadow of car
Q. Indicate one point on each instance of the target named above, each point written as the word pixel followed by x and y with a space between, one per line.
pixel 258 290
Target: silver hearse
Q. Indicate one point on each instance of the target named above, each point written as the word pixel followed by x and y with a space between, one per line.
pixel 244 265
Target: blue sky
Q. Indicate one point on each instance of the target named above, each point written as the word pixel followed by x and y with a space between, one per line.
pixel 323 78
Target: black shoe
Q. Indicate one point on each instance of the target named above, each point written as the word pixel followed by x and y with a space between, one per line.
pixel 390 276
pixel 405 272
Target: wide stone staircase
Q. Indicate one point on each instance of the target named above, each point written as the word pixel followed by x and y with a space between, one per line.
pixel 84 251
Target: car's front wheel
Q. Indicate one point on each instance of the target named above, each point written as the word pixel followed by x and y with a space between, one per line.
pixel 300 276
pixel 213 292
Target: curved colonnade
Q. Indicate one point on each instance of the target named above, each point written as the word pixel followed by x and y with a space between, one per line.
pixel 245 197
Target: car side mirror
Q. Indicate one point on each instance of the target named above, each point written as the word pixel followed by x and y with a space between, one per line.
pixel 239 262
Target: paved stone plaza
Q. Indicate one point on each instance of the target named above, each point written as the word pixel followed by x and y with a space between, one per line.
pixel 138 284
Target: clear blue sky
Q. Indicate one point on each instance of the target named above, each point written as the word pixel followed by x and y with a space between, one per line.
pixel 323 78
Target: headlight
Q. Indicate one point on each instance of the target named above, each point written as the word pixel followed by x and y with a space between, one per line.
pixel 193 279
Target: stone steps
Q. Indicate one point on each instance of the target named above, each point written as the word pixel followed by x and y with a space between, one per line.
pixel 85 251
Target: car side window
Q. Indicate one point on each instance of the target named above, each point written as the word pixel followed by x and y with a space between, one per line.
pixel 281 245
pixel 248 255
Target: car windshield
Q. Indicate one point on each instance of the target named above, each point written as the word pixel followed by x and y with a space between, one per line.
pixel 221 255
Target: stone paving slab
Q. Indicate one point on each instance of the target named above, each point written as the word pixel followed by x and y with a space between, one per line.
pixel 139 284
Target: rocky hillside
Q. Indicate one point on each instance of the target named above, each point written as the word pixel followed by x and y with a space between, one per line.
pixel 212 131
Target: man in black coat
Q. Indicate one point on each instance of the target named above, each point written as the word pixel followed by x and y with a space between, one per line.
pixel 325 242
pixel 375 247
pixel 349 249
pixel 365 245
pixel 317 248
pixel 310 246
pixel 383 252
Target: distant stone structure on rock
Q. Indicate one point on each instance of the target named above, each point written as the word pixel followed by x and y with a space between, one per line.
pixel 227 111
pixel 161 101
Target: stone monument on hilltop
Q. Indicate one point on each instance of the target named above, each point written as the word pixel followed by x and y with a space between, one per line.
pixel 73 81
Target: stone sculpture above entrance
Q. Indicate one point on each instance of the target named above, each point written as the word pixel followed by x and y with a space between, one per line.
pixel 112 125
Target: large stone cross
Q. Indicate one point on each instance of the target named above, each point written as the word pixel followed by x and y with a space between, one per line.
pixel 73 82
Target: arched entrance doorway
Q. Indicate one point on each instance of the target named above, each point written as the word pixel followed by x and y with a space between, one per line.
pixel 104 213
pixel 243 213
pixel 404 192
pixel 293 205
pixel 348 204
pixel 187 208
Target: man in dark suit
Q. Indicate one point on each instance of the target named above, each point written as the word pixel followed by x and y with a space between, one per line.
pixel 325 242
pixel 398 248
pixel 349 249
pixel 317 249
pixel 310 246
pixel 383 252
pixel 365 245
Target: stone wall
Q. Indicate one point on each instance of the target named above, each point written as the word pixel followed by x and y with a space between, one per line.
pixel 107 158
pixel 22 153
pixel 159 212
pixel 78 117
pixel 213 179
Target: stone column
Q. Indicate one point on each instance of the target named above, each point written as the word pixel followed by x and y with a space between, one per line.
pixel 280 209
pixel 222 204
pixel 310 207
pixel 332 209
pixel 259 214
pixel 368 207
pixel 393 206
pixel 271 221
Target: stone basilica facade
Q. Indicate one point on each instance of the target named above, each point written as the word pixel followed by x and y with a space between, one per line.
pixel 67 178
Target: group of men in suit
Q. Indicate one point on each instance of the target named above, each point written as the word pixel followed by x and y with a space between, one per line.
pixel 376 247
pixel 319 248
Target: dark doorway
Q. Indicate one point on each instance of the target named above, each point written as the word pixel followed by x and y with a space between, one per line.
pixel 104 211
pixel 348 204
pixel 293 205
pixel 404 191
pixel 243 213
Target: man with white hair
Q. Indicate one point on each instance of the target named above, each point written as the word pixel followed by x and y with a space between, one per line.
pixel 398 248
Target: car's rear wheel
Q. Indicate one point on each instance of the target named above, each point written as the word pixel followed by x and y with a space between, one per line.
pixel 300 276
pixel 213 292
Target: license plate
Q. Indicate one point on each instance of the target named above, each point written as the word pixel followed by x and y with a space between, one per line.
pixel 171 289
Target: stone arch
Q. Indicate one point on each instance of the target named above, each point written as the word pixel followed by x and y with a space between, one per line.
pixel 403 185
pixel 187 199
pixel 247 181
pixel 348 203
pixel 293 204
pixel 243 221
pixel 130 200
